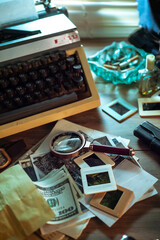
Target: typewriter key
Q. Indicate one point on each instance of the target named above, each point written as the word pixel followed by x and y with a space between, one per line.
pixel 43 73
pixel 77 69
pixel 36 64
pixel 4 83
pixel 8 104
pixel 67 85
pixel 5 72
pixel 20 90
pixel 24 66
pixel 39 84
pixel 78 81
pixel 33 75
pixel 49 81
pixel 53 68
pixel 62 65
pixel 28 98
pixel 38 95
pixel 23 77
pixel 62 54
pixel 57 88
pixel 30 87
pixel 14 81
pixel 49 92
pixel 15 69
pixel 68 74
pixel 2 97
pixel 18 101
pixel 70 61
pixel 59 77
pixel 10 93
pixel 54 57
pixel 44 61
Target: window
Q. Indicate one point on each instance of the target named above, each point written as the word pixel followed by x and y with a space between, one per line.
pixel 103 18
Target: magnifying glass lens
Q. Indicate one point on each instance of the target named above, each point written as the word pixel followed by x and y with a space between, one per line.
pixel 67 143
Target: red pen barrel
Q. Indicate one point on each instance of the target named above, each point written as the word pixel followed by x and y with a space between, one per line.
pixel 112 150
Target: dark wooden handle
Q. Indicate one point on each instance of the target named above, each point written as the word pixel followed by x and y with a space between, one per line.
pixel 112 150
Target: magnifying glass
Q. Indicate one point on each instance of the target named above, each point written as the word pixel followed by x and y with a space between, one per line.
pixel 68 145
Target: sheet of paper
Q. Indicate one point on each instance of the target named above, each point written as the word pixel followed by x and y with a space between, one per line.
pixel 16 11
pixel 22 208
pixel 48 228
pixel 150 193
pixel 75 231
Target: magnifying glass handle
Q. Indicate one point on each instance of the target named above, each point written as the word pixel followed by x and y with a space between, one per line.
pixel 112 150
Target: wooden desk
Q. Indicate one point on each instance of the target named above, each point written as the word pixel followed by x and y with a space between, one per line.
pixel 142 221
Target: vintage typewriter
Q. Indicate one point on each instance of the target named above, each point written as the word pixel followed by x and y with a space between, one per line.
pixel 44 74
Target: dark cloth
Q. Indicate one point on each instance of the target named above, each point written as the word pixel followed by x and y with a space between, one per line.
pixel 155 8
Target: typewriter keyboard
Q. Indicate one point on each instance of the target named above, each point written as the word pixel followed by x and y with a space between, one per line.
pixel 39 84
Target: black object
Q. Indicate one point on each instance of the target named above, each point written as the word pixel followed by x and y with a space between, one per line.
pixel 12 34
pixel 155 6
pixel 146 40
pixel 150 134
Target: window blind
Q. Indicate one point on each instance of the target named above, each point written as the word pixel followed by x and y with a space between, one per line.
pixel 100 19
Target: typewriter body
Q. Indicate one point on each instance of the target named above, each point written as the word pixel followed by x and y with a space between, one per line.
pixel 44 75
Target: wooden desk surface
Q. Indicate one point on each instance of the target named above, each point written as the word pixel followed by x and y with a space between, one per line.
pixel 142 221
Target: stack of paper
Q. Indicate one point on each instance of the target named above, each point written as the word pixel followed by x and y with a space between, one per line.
pixel 129 176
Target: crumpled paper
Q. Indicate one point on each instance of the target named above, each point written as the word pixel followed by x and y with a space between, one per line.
pixel 22 208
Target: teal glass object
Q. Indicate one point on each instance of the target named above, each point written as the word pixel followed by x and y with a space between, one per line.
pixel 118 54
